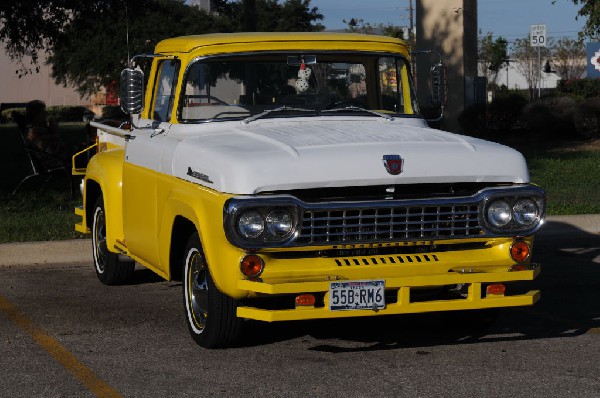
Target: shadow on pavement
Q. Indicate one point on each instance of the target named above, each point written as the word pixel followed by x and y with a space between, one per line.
pixel 142 276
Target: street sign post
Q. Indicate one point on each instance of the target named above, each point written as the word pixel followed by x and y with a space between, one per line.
pixel 537 38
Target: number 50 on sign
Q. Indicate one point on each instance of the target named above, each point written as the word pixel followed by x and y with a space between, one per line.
pixel 537 36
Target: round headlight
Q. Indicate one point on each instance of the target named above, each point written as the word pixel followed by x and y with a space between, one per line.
pixel 251 224
pixel 280 223
pixel 525 212
pixel 499 213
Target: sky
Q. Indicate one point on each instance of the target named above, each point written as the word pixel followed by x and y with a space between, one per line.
pixel 510 19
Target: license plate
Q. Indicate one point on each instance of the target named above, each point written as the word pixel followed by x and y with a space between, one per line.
pixel 357 295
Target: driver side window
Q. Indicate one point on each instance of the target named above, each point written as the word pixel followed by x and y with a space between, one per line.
pixel 164 91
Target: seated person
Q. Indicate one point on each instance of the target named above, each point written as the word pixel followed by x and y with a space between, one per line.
pixel 42 134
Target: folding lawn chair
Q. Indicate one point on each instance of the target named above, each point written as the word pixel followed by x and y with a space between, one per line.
pixel 42 164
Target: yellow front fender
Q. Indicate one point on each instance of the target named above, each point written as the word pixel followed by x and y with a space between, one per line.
pixel 106 170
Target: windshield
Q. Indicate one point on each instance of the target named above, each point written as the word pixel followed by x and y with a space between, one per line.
pixel 239 87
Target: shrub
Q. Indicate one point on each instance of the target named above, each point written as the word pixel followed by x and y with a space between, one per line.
pixel 551 117
pixel 538 117
pixel 504 111
pixel 68 113
pixel 472 120
pixel 56 113
pixel 579 88
pixel 587 118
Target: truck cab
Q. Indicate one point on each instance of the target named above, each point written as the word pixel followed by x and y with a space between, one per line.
pixel 290 176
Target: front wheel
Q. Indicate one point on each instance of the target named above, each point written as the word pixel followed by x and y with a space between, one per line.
pixel 109 268
pixel 210 315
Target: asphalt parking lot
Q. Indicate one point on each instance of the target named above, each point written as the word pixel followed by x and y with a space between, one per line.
pixel 63 334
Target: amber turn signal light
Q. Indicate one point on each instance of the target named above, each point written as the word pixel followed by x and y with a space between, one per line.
pixel 519 251
pixel 497 289
pixel 252 266
pixel 305 300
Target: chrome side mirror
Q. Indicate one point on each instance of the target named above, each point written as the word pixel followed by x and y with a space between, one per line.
pixel 132 90
pixel 438 84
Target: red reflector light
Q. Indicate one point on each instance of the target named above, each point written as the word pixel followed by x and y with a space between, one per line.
pixel 252 266
pixel 497 289
pixel 519 251
pixel 518 267
pixel 305 300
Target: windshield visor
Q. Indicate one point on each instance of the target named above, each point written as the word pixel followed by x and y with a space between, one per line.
pixel 239 87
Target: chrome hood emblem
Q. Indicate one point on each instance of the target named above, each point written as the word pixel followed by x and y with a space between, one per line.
pixel 393 164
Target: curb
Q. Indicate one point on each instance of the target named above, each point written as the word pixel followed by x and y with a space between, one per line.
pixel 80 250
pixel 577 224
pixel 48 252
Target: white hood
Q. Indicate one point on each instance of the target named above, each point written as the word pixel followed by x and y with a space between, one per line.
pixel 273 155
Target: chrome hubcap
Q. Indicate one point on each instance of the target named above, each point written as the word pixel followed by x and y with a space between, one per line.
pixel 197 286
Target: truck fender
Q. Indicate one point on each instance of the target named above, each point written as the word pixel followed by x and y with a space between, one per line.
pixel 105 170
pixel 185 204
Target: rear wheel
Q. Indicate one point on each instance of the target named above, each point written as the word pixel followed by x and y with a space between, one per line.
pixel 109 268
pixel 210 315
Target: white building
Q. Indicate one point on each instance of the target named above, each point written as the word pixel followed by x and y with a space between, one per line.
pixel 33 86
pixel 512 78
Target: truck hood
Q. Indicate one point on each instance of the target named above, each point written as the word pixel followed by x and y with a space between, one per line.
pixel 274 155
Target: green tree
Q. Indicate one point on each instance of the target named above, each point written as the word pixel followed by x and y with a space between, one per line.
pixel 30 28
pixel 358 26
pixel 493 57
pixel 527 61
pixel 393 31
pixel 269 16
pixel 364 27
pixel 569 58
pixel 590 10
pixel 92 50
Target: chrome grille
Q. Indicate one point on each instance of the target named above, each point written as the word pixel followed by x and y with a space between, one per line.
pixel 382 224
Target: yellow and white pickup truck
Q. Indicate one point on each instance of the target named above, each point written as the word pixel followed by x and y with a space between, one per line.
pixel 290 176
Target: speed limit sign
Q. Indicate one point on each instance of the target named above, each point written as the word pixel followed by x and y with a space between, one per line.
pixel 537 36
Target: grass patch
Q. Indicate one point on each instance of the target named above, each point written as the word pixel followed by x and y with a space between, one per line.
pixel 571 180
pixel 38 215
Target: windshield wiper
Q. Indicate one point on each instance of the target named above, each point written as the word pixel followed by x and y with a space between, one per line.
pixel 359 109
pixel 280 109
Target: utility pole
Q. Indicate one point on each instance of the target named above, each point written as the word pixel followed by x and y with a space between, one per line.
pixel 410 23
pixel 539 74
pixel 411 40
pixel 507 65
